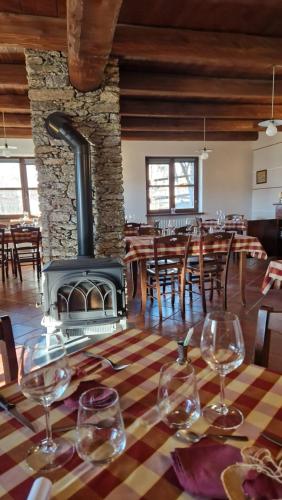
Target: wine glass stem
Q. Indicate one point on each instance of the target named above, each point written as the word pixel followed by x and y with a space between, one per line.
pixel 49 439
pixel 222 394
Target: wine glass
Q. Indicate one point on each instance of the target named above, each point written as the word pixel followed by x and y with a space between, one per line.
pixel 178 398
pixel 222 347
pixel 44 375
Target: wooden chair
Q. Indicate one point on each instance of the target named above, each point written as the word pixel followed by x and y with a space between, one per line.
pixel 166 272
pixel 211 271
pixel 234 216
pixel 150 231
pixel 26 242
pixel 188 229
pixel 8 350
pixel 3 255
pixel 131 228
pixel 269 321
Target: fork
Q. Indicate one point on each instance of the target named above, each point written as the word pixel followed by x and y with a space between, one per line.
pixel 115 366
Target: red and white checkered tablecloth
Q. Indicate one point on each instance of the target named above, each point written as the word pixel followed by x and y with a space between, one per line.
pixel 272 276
pixel 141 247
pixel 144 470
pixel 229 225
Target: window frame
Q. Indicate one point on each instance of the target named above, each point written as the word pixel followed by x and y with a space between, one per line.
pixel 23 162
pixel 171 161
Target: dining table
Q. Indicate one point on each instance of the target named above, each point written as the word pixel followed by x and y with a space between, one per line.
pixel 273 276
pixel 239 226
pixel 140 249
pixel 144 470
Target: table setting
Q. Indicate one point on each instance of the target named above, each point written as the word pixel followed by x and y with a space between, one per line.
pixel 130 417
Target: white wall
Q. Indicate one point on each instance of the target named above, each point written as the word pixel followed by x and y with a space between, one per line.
pixel 25 146
pixel 267 154
pixel 226 177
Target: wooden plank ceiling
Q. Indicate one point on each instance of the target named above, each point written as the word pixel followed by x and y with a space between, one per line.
pixel 180 61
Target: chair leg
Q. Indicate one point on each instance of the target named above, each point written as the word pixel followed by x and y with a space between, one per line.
pixel 158 287
pixel 203 295
pixel 211 289
pixel 172 291
pixel 190 287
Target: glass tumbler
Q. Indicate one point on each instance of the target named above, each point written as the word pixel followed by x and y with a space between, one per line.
pixel 100 428
pixel 178 398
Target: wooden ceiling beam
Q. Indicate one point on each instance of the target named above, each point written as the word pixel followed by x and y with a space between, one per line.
pixel 14 103
pixel 33 32
pixel 13 76
pixel 183 109
pixel 214 50
pixel 188 136
pixel 16 120
pixel 179 86
pixel 12 132
pixel 188 125
pixel 91 27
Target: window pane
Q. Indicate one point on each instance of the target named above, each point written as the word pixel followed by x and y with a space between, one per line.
pixel 184 198
pixel 31 173
pixel 184 172
pixel 11 202
pixel 10 174
pixel 159 174
pixel 158 198
pixel 33 202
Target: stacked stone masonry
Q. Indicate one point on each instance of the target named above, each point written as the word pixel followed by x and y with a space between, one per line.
pixel 96 116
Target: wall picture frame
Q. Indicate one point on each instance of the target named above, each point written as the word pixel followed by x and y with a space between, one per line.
pixel 261 176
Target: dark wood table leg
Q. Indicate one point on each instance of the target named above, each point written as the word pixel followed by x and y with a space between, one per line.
pixel 242 276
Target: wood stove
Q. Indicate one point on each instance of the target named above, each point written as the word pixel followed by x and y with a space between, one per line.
pixel 85 295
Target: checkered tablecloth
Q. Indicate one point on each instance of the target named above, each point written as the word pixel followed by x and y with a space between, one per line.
pixel 272 276
pixel 144 470
pixel 229 225
pixel 141 247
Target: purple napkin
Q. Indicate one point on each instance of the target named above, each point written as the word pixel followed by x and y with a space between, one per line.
pixel 72 401
pixel 198 467
pixel 261 487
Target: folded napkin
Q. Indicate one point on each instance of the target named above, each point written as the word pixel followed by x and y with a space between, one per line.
pixel 41 489
pixel 261 487
pixel 198 468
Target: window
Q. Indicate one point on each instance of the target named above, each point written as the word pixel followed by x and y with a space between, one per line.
pixel 18 187
pixel 172 185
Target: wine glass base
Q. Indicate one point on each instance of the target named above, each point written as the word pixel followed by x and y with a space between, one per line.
pixel 42 458
pixel 231 419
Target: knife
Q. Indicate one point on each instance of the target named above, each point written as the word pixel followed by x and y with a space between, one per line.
pixel 12 410
pixel 272 439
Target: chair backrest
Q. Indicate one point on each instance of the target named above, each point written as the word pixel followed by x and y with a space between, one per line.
pixel 188 229
pixel 216 244
pixel 27 234
pixel 2 243
pixel 8 350
pixel 198 221
pixel 234 216
pixel 131 225
pixel 269 320
pixel 131 228
pixel 153 231
pixel 172 242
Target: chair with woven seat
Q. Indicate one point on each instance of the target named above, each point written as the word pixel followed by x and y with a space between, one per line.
pixel 167 272
pixel 234 216
pixel 8 350
pixel 211 271
pixel 26 251
pixel 188 229
pixel 269 324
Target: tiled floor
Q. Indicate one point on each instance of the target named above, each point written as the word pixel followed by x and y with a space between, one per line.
pixel 18 300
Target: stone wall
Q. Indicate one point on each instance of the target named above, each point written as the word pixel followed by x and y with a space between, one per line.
pixel 96 115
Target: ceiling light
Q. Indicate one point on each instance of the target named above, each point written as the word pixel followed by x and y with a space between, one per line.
pixel 204 152
pixel 271 125
pixel 6 149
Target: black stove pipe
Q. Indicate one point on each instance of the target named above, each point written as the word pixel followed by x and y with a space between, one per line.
pixel 59 126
